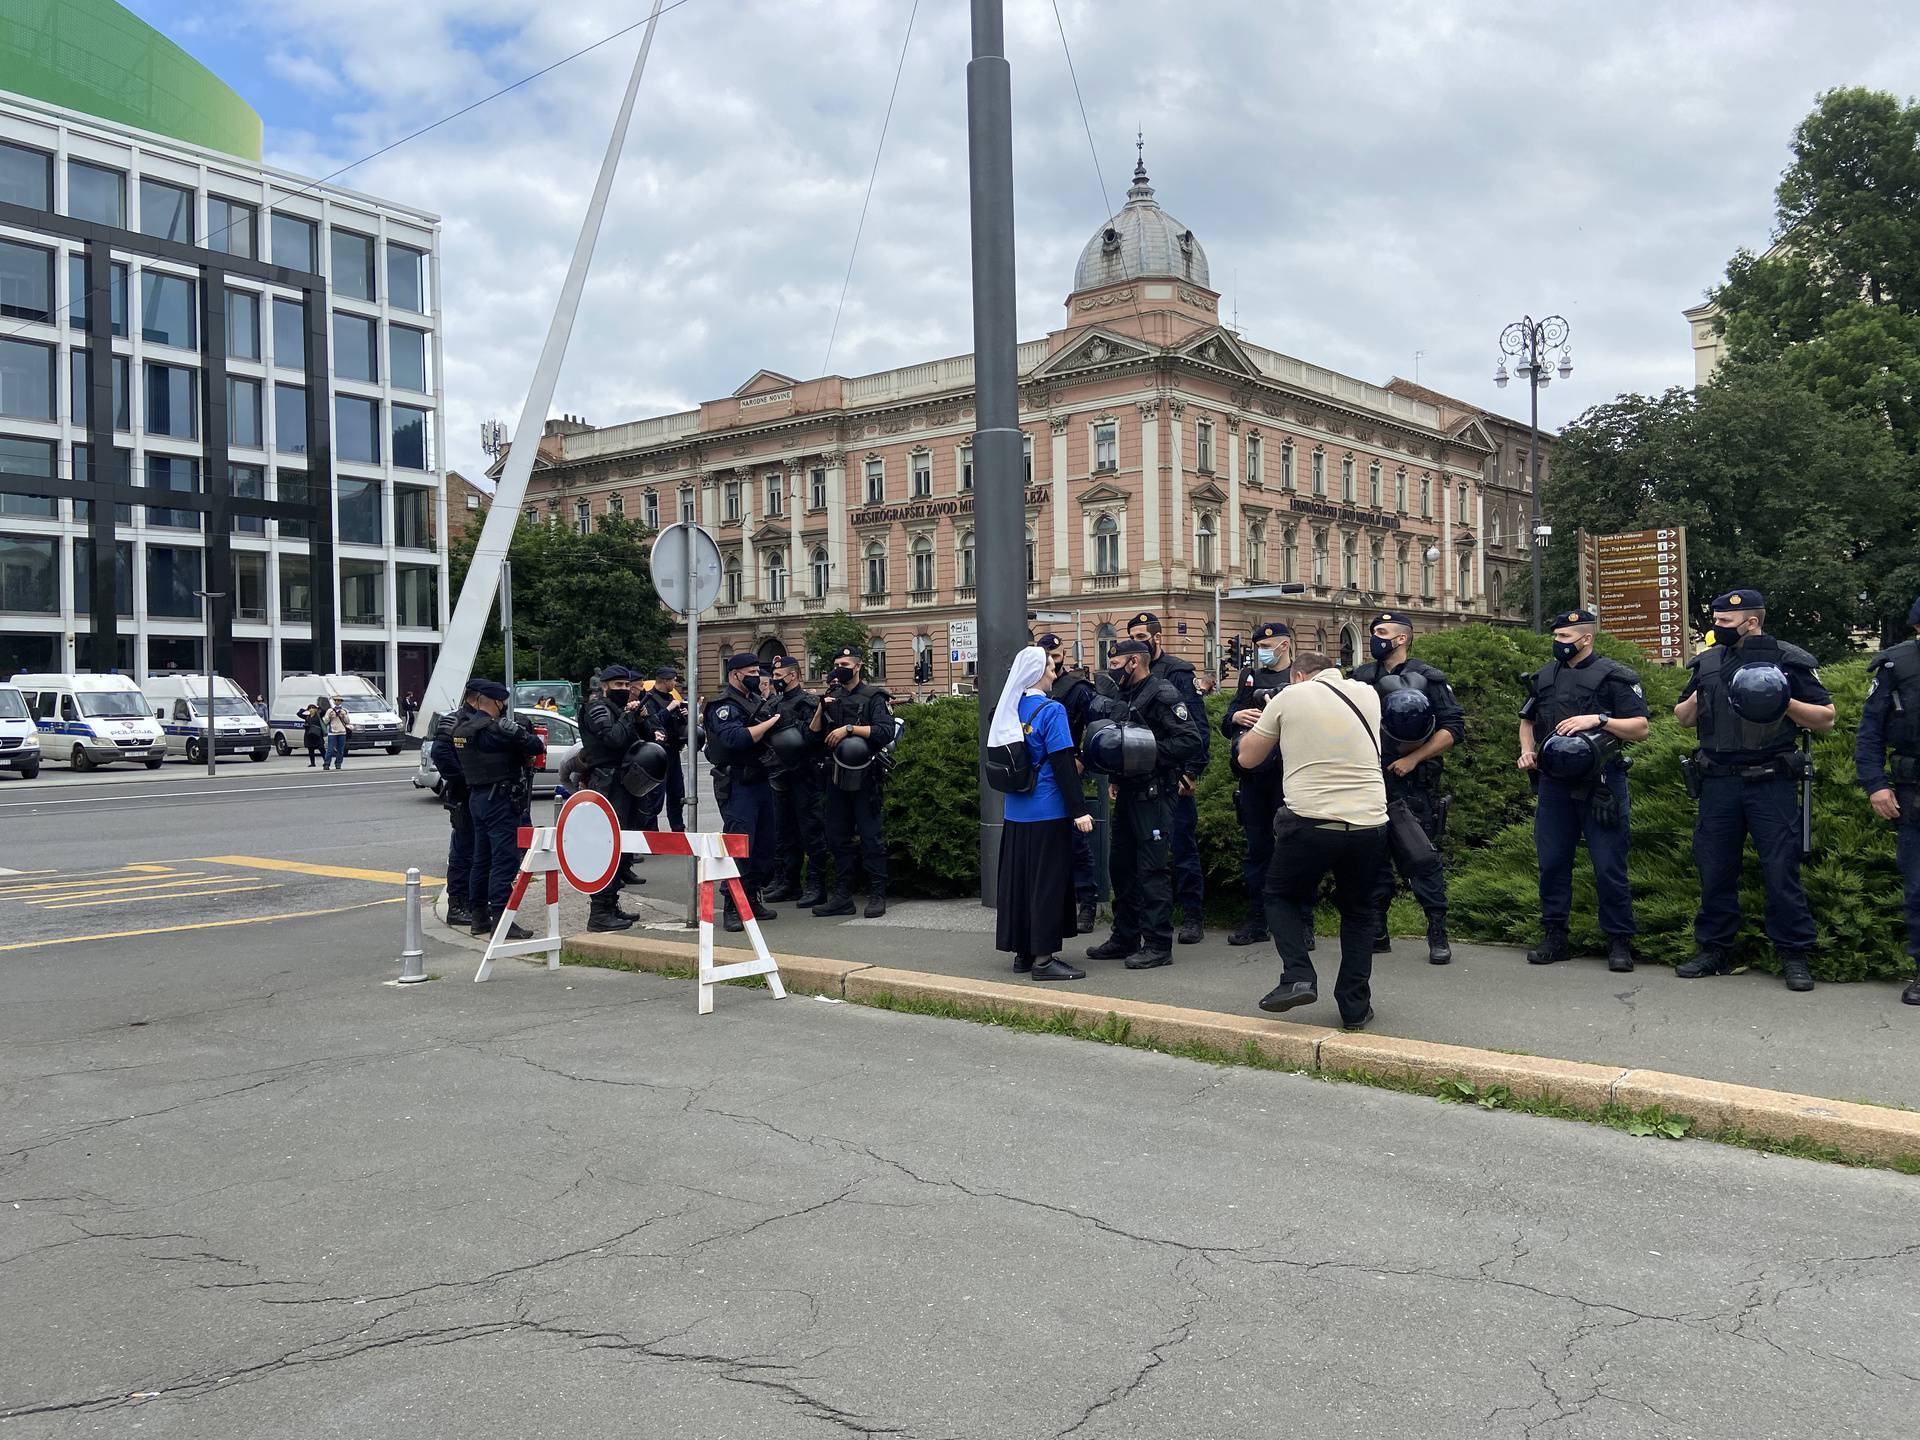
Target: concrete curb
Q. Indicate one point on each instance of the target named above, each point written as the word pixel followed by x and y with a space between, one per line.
pixel 1871 1132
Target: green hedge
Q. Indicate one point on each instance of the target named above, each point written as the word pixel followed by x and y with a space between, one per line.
pixel 1852 882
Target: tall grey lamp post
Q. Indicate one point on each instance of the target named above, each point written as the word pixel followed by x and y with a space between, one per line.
pixel 1529 340
pixel 207 598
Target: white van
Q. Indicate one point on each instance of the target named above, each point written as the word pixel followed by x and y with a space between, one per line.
pixel 179 703
pixel 90 720
pixel 376 724
pixel 19 736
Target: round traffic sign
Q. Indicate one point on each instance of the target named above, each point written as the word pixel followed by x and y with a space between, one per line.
pixel 586 841
pixel 671 571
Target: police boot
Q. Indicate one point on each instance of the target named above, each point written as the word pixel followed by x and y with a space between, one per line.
pixel 1112 948
pixel 1084 920
pixel 1795 973
pixel 1620 954
pixel 762 910
pixel 630 872
pixel 814 894
pixel 876 904
pixel 1552 948
pixel 1251 932
pixel 604 917
pixel 1911 995
pixel 840 904
pixel 1382 941
pixel 1190 931
pixel 730 919
pixel 517 931
pixel 1149 959
pixel 779 890
pixel 481 922
pixel 1712 960
pixel 458 913
pixel 1439 952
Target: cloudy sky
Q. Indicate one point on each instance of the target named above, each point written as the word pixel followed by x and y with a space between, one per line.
pixel 1369 179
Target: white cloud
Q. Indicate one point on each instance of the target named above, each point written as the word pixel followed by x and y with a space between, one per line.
pixel 1367 180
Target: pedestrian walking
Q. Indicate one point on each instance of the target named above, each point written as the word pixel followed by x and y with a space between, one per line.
pixel 1034 898
pixel 260 706
pixel 1890 722
pixel 338 726
pixel 314 732
pixel 409 708
pixel 1332 818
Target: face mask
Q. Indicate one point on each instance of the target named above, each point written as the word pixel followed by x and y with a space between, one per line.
pixel 779 685
pixel 616 698
pixel 1379 647
pixel 844 674
pixel 1726 636
pixel 1565 650
pixel 1266 658
pixel 1117 673
pixel 750 684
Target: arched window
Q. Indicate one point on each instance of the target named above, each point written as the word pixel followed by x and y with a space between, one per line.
pixel 1494 589
pixel 1465 591
pixel 1320 639
pixel 1400 571
pixel 1205 531
pixel 776 573
pixel 1256 551
pixel 877 570
pixel 822 572
pixel 1102 646
pixel 1320 557
pixel 1350 563
pixel 732 580
pixel 967 580
pixel 1349 647
pixel 1373 484
pixel 920 564
pixel 1493 527
pixel 1289 553
pixel 1466 503
pixel 1376 580
pixel 1106 547
pixel 617 506
pixel 1426 577
pixel 1032 557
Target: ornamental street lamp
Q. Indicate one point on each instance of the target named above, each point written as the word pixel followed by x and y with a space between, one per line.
pixel 1529 340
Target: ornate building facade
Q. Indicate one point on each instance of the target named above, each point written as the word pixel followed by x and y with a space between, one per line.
pixel 1169 463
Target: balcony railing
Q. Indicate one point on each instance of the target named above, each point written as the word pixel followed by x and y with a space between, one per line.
pixel 1106 582
pixel 872 601
pixel 921 597
pixel 769 607
pixel 814 602
pixel 965 592
pixel 726 608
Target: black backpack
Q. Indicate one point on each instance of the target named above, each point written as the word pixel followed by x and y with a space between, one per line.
pixel 1010 767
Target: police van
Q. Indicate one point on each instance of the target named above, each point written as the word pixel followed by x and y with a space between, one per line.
pixel 375 723
pixel 90 720
pixel 179 703
pixel 19 736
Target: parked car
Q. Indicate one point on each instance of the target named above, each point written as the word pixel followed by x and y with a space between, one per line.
pixel 564 695
pixel 560 733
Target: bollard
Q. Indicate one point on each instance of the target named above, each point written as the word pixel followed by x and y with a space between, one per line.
pixel 413 958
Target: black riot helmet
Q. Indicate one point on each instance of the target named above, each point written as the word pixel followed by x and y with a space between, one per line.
pixel 1759 693
pixel 789 745
pixel 1570 758
pixel 851 757
pixel 643 767
pixel 1122 750
pixel 1270 763
pixel 1407 715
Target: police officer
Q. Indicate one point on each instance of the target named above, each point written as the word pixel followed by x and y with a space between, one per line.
pixel 800 867
pixel 1744 777
pixel 736 723
pixel 495 752
pixel 1257 793
pixel 1581 709
pixel 1076 694
pixel 453 798
pixel 667 716
pixel 1140 859
pixel 853 708
pixel 1891 722
pixel 1184 814
pixel 1413 769
pixel 611 723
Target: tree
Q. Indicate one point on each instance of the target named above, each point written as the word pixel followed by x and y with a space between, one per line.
pixel 825 636
pixel 1777 490
pixel 579 601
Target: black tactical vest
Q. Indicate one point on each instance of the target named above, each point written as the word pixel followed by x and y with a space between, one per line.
pixel 1721 729
pixel 487 766
pixel 1900 668
pixel 604 735
pixel 1560 691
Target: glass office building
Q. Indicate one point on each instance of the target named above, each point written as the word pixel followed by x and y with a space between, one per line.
pixel 214 376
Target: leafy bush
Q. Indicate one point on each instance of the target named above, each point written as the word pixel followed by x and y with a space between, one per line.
pixel 932 805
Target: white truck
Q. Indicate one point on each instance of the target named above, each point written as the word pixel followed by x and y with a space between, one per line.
pixel 376 724
pixel 179 703
pixel 19 736
pixel 90 720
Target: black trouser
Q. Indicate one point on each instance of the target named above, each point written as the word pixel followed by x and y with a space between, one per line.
pixel 747 808
pixel 1139 864
pixel 854 831
pixel 459 853
pixel 803 829
pixel 668 794
pixel 623 804
pixel 1429 888
pixel 1303 852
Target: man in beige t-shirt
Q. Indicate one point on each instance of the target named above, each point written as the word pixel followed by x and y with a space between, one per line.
pixel 1334 818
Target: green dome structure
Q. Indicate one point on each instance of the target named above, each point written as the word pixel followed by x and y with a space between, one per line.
pixel 97 57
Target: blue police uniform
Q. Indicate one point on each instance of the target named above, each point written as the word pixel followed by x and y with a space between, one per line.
pixel 740 785
pixel 1074 690
pixel 1597 807
pixel 670 796
pixel 493 756
pixel 453 797
pixel 1886 756
pixel 1745 774
pixel 1256 795
pixel 1183 811
pixel 855 825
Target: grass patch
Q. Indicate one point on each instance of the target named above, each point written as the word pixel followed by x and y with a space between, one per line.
pixel 665 972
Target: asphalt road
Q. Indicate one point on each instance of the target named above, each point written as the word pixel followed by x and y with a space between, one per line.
pixel 247 1189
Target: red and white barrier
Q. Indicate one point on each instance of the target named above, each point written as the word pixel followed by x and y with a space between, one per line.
pixel 586 846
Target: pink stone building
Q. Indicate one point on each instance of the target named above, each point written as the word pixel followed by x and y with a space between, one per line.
pixel 1167 458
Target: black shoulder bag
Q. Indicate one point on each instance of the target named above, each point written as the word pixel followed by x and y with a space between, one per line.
pixel 1412 848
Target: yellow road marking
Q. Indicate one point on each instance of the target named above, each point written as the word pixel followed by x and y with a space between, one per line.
pixel 80 882
pixel 150 865
pixel 174 895
pixel 199 925
pixel 301 867
pixel 90 888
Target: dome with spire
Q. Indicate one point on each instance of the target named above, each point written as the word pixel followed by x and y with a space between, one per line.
pixel 1141 241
